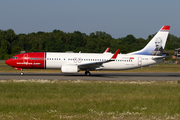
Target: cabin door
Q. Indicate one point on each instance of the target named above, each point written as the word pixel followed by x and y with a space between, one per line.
pixel 25 60
pixel 139 61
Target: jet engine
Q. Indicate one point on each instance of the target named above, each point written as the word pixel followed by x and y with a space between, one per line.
pixel 69 69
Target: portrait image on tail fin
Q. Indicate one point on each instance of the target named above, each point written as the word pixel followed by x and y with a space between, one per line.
pixel 159 48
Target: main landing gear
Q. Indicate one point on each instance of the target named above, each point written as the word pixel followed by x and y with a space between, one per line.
pixel 88 73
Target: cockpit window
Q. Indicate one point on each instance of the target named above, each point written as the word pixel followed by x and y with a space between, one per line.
pixel 15 57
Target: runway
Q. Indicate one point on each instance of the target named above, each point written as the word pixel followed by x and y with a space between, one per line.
pixel 94 76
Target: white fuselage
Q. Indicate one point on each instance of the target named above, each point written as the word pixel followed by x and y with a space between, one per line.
pixel 122 62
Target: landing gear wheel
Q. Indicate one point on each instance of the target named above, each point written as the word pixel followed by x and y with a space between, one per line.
pixel 22 73
pixel 87 73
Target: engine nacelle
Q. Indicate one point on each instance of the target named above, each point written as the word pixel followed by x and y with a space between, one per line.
pixel 69 69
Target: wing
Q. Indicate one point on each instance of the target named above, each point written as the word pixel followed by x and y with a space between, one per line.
pixel 97 65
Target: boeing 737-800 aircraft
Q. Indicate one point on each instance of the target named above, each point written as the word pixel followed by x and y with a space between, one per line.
pixel 75 62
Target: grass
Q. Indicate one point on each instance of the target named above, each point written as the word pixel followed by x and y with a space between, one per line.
pixel 43 99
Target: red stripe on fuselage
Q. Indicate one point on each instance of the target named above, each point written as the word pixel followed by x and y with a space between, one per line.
pixel 28 60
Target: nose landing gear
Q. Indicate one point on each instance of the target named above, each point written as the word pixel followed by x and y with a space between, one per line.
pixel 22 72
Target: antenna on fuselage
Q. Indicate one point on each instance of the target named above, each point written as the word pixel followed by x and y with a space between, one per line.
pixel 23 52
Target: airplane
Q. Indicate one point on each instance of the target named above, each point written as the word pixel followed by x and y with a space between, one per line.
pixel 151 54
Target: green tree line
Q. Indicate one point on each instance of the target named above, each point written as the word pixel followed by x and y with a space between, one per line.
pixel 59 41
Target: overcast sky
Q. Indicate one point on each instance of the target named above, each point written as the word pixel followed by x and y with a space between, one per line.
pixel 115 17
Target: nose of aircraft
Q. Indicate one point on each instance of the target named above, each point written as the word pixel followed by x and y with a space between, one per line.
pixel 8 62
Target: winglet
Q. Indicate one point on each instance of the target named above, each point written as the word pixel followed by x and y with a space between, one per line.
pixel 107 50
pixel 115 54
